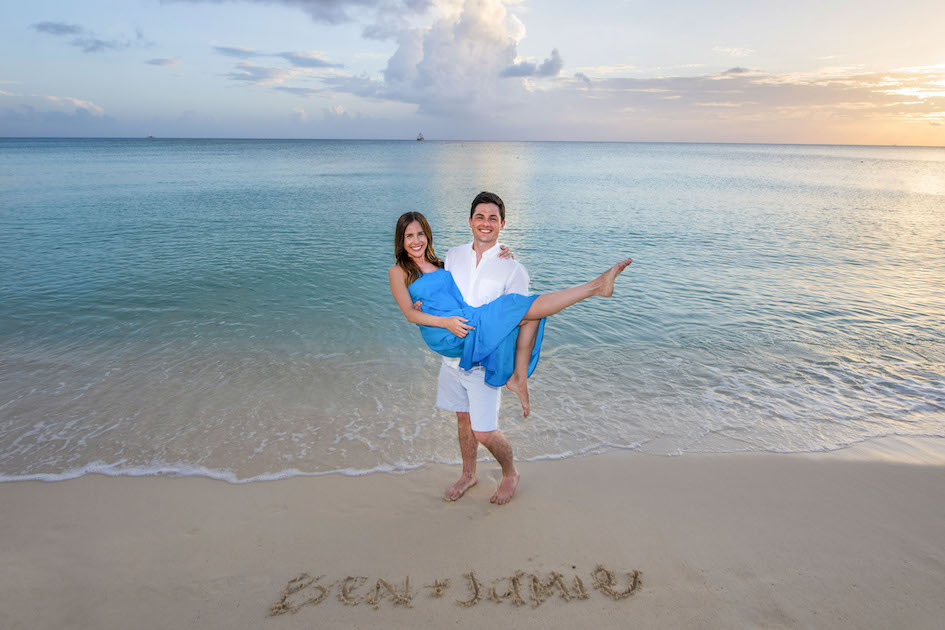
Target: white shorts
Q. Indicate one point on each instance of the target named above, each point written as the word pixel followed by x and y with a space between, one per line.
pixel 461 390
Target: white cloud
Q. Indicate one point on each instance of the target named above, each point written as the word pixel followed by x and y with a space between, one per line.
pixel 734 51
pixel 87 40
pixel 239 52
pixel 456 64
pixel 78 103
pixel 339 11
pixel 262 75
pixel 618 69
pixel 549 68
pixel 308 59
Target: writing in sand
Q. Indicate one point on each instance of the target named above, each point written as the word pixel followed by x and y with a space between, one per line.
pixel 518 589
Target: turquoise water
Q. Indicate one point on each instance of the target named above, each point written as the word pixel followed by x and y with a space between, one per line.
pixel 221 307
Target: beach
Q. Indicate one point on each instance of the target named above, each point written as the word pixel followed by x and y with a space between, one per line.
pixel 848 539
pixel 208 421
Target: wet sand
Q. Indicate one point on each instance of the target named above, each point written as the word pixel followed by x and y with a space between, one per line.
pixel 840 540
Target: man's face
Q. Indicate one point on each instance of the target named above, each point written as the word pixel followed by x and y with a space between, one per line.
pixel 486 223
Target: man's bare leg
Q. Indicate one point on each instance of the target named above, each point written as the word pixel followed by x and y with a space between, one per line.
pixel 500 448
pixel 468 447
pixel 518 382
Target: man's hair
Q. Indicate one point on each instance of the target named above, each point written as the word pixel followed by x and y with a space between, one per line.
pixel 487 197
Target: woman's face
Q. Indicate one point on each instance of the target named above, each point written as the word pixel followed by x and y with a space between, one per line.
pixel 415 241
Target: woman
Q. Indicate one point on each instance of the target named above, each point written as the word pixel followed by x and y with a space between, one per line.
pixel 486 335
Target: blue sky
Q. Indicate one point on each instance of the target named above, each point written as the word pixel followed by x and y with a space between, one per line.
pixel 863 72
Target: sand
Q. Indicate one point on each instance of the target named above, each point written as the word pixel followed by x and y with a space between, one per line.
pixel 839 540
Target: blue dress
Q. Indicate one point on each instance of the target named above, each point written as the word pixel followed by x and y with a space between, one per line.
pixel 492 343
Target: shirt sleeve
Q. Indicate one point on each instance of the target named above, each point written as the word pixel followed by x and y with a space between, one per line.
pixel 448 260
pixel 518 281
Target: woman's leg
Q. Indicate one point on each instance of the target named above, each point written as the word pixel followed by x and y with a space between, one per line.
pixel 518 382
pixel 548 304
pixel 545 306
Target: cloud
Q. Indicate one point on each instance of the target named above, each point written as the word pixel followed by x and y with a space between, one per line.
pixel 303 62
pixel 78 103
pixel 94 44
pixel 236 51
pixel 455 65
pixel 461 69
pixel 754 106
pixel 734 51
pixel 549 68
pixel 339 11
pixel 261 75
pixel 359 86
pixel 300 91
pixel 306 59
pixel 159 61
pixel 300 114
pixel 337 113
pixel 57 28
pixel 69 102
pixel 720 104
pixel 87 40
pixel 464 61
pixel 27 120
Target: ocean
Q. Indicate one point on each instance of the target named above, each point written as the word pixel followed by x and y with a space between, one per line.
pixel 221 307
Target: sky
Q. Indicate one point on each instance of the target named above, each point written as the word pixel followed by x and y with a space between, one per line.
pixel 806 71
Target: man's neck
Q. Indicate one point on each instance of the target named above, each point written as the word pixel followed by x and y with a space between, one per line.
pixel 482 248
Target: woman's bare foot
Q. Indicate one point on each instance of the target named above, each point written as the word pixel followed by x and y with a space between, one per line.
pixel 459 488
pixel 506 489
pixel 519 387
pixel 606 288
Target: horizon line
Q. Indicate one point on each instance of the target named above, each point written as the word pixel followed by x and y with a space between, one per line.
pixel 274 139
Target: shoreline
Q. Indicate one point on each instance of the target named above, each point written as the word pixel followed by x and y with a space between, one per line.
pixel 840 539
pixel 896 449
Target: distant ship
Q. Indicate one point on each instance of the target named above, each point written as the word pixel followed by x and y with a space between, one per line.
pixel 419 137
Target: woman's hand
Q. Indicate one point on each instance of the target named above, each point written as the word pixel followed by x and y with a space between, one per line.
pixel 457 326
pixel 505 252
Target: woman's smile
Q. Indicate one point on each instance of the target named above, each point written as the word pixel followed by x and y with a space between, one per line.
pixel 415 241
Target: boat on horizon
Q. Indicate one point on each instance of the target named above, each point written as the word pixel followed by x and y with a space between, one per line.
pixel 419 137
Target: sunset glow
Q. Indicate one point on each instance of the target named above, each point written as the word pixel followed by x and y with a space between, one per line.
pixel 476 69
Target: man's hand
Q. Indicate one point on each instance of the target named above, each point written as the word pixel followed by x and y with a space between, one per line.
pixel 417 306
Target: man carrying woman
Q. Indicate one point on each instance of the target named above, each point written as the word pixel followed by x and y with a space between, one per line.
pixel 506 331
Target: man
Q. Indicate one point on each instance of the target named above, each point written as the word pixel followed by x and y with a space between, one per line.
pixel 481 277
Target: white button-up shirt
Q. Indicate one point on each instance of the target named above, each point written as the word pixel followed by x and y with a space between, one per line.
pixel 482 283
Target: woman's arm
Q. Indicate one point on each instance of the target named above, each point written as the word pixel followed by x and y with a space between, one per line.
pixel 456 325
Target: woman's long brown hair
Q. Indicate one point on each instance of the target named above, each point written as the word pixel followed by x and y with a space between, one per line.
pixel 404 261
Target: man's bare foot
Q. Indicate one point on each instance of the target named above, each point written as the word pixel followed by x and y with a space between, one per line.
pixel 519 387
pixel 459 488
pixel 506 489
pixel 606 288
